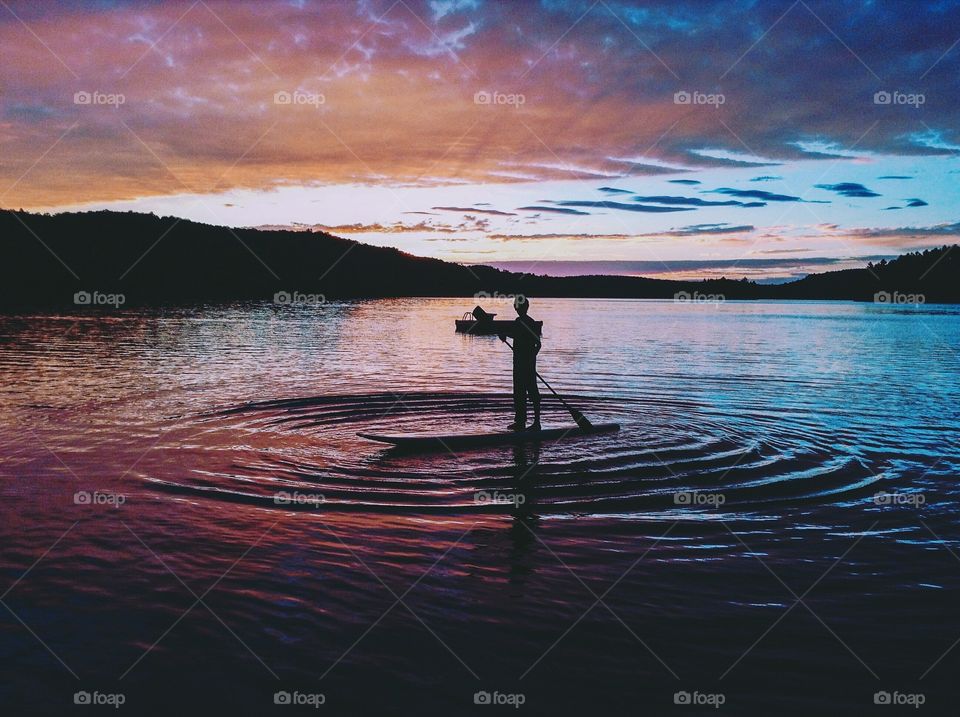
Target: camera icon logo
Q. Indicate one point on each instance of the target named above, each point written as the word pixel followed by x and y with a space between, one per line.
pixel 481 698
pixel 282 98
pixel 882 98
pixel 282 297
pixel 482 97
pixel 681 698
pixel 82 98
pixel 81 698
pixel 682 98
pixel 882 698
pixel 82 298
pixel 282 698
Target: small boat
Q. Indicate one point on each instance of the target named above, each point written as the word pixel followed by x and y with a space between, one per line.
pixel 479 323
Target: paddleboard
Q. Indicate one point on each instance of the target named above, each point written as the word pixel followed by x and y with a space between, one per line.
pixel 474 440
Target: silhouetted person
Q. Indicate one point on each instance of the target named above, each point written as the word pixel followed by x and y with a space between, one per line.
pixel 526 345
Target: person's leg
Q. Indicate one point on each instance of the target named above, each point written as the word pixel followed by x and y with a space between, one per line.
pixel 519 399
pixel 534 391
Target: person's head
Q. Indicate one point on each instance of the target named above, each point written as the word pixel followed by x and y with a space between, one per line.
pixel 521 304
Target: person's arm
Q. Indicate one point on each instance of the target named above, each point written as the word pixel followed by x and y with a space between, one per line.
pixel 511 330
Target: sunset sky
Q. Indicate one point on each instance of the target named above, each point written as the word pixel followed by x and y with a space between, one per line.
pixel 765 139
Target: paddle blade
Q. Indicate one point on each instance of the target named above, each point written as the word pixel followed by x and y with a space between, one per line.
pixel 580 419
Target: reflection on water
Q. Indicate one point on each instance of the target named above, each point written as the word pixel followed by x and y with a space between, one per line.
pixel 182 443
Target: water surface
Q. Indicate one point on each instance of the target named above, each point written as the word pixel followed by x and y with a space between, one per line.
pixel 210 453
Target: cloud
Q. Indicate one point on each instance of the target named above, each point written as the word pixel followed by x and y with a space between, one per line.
pixel 766 178
pixel 697 229
pixel 374 228
pixel 899 238
pixel 200 91
pixel 470 223
pixel 945 230
pixel 30 112
pixel 695 202
pixel 690 182
pixel 848 189
pixel 575 237
pixel 624 207
pixel 613 190
pixel 688 231
pixel 554 210
pixel 720 157
pixel 894 176
pixel 757 194
pixel 474 210
pixel 910 203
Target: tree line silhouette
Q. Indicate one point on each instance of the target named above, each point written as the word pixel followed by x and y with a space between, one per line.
pixel 47 259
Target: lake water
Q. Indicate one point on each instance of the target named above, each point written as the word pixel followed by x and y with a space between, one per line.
pixel 189 519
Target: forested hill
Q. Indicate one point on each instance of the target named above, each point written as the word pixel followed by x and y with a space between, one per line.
pixel 49 259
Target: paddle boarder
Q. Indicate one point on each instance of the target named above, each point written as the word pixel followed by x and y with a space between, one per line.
pixel 526 346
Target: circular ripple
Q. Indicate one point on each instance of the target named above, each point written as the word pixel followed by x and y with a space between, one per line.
pixel 304 454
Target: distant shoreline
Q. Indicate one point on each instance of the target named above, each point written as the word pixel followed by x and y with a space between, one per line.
pixel 52 260
pixel 653 269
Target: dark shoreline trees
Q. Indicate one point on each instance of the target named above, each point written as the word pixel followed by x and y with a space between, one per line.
pixel 47 259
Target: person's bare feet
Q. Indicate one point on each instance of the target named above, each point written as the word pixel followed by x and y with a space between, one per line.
pixel 515 426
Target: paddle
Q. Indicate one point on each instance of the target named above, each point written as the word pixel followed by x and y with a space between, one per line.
pixel 578 417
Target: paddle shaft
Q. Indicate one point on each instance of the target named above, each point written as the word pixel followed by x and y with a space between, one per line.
pixel 578 417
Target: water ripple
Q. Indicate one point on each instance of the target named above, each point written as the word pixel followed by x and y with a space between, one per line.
pixel 663 458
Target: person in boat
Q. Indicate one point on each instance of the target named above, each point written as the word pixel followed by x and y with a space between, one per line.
pixel 526 346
